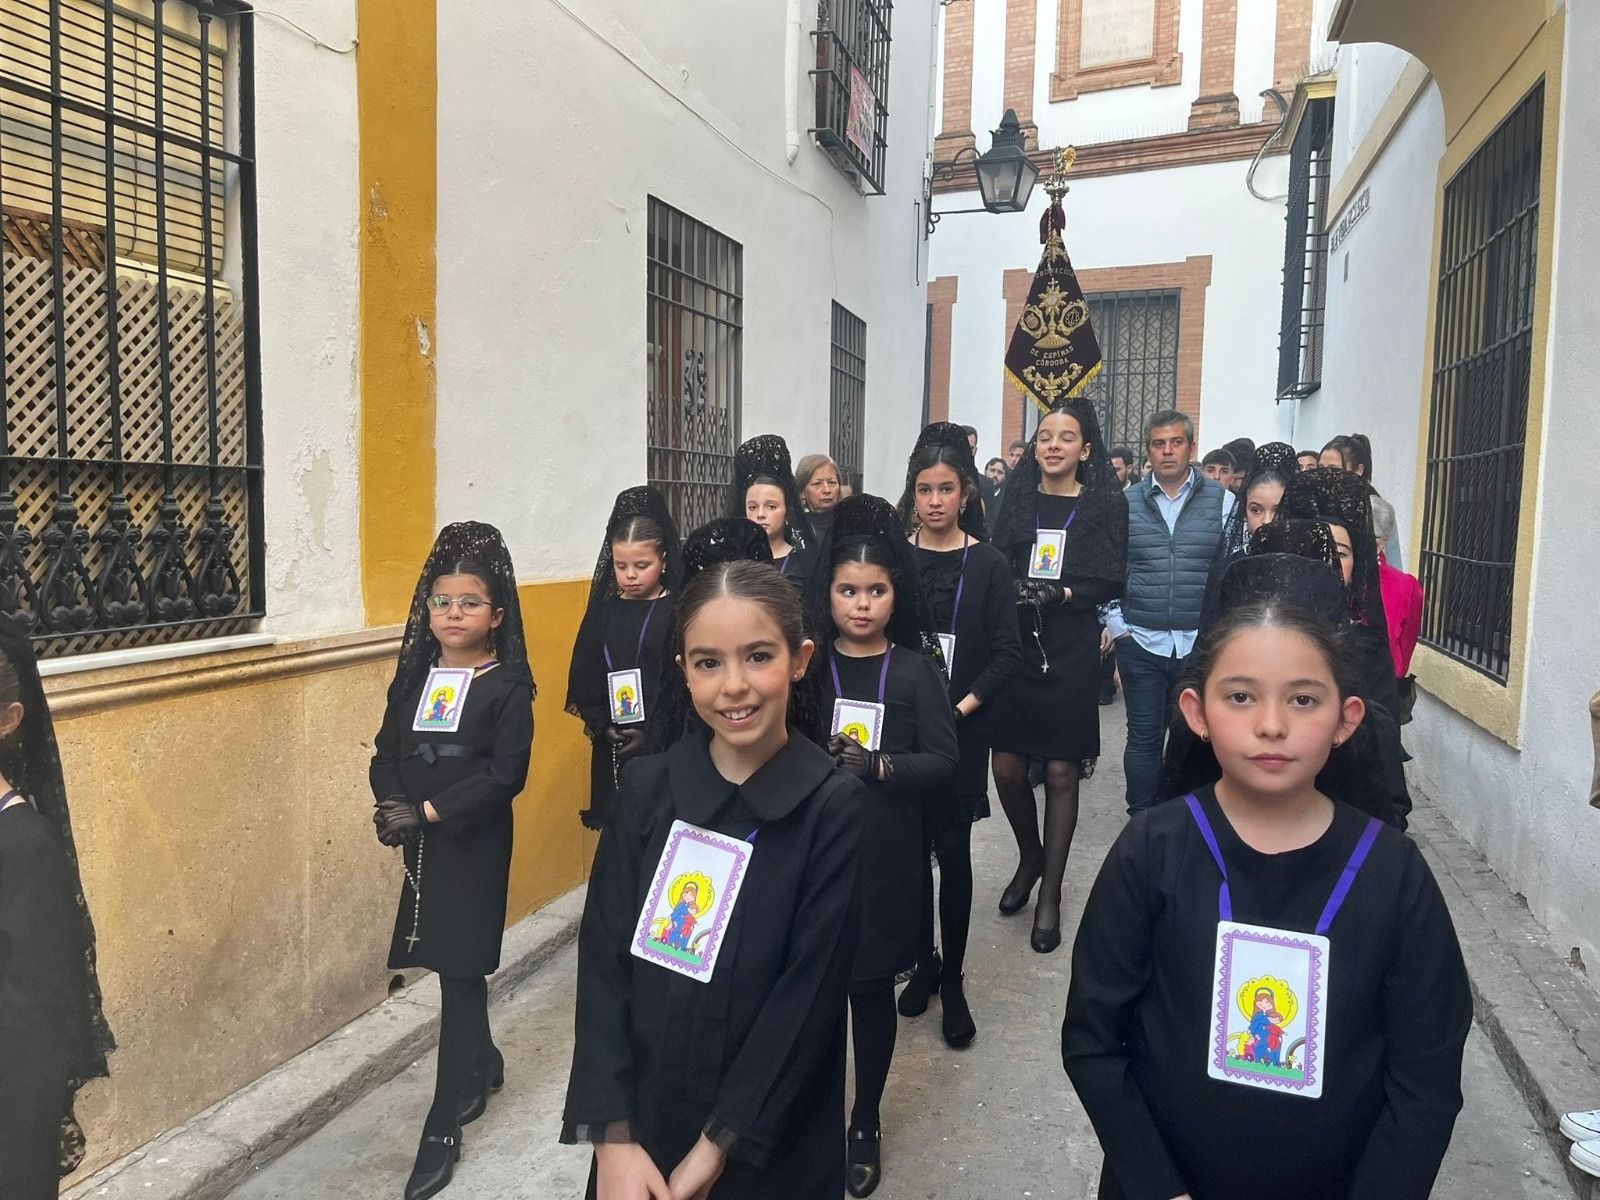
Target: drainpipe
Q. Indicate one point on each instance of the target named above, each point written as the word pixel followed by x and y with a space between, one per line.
pixel 791 81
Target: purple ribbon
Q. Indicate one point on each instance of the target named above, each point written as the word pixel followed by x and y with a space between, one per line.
pixel 638 653
pixel 1341 890
pixel 883 675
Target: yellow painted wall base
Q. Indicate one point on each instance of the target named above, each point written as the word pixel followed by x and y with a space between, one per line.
pixel 242 903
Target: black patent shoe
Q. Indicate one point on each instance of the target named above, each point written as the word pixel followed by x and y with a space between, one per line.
pixel 958 1027
pixel 924 983
pixel 863 1171
pixel 436 1163
pixel 1015 898
pixel 492 1079
pixel 1043 940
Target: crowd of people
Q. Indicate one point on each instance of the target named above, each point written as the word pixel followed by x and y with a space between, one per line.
pixel 796 711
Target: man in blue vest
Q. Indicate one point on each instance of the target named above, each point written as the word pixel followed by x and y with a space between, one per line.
pixel 1175 521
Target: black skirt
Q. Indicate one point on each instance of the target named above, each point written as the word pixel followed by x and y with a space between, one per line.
pixel 1054 713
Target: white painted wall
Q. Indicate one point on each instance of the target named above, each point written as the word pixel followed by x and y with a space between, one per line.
pixel 1380 280
pixel 308 192
pixel 557 122
pixel 1527 810
pixel 1128 220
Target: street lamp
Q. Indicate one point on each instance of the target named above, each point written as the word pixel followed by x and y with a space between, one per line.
pixel 1005 173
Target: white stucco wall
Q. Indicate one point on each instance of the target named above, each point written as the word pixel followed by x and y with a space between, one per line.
pixel 1526 810
pixel 308 189
pixel 552 138
pixel 1130 220
pixel 1379 283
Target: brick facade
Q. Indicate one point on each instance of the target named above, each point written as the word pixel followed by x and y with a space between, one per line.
pixel 1190 278
pixel 955 117
pixel 1022 28
pixel 1292 58
pixel 1164 67
pixel 942 299
pixel 1217 104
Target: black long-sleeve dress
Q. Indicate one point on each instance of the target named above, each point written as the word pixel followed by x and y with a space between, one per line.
pixel 988 657
pixel 41 978
pixel 754 1056
pixel 1055 713
pixel 919 734
pixel 1137 1024
pixel 470 777
pixel 797 566
pixel 620 622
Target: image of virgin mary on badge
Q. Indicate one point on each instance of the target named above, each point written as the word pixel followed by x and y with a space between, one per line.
pixel 691 900
pixel 1268 1019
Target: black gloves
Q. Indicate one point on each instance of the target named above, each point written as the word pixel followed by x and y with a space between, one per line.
pixel 398 821
pixel 855 759
pixel 626 742
pixel 1042 592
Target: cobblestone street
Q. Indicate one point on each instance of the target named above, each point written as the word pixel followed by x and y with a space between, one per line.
pixel 996 1122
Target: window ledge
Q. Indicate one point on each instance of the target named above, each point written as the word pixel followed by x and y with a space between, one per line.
pixel 1494 707
pixel 138 655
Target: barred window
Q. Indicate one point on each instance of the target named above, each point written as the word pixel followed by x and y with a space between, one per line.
pixel 847 396
pixel 1305 255
pixel 1478 412
pixel 852 79
pixel 130 473
pixel 695 327
pixel 1138 333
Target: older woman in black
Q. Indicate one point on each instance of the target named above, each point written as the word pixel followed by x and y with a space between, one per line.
pixel 878 649
pixel 450 757
pixel 1064 529
pixel 53 1035
pixel 968 586
pixel 626 627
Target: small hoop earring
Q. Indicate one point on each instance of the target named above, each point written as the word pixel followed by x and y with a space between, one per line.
pixel 1205 736
pixel 1337 742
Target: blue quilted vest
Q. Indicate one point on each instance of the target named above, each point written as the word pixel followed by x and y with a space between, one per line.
pixel 1167 570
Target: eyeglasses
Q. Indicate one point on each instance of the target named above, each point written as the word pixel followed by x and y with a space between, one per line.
pixel 469 604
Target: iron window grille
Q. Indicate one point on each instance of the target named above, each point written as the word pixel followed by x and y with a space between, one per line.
pixel 847 396
pixel 852 82
pixel 1138 333
pixel 1478 411
pixel 1305 255
pixel 695 327
pixel 130 463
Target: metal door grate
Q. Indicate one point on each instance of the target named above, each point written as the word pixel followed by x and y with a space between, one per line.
pixel 1478 413
pixel 1138 333
pixel 695 317
pixel 1305 255
pixel 847 396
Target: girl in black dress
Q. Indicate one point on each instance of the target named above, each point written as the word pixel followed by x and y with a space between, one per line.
pixel 968 586
pixel 728 1085
pixel 626 627
pixel 879 652
pixel 1334 1074
pixel 53 1034
pixel 764 491
pixel 1064 528
pixel 451 756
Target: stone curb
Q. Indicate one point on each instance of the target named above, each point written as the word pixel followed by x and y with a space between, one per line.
pixel 213 1152
pixel 1540 1014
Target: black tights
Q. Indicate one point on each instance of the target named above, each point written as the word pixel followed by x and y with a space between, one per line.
pixel 872 1027
pixel 464 1047
pixel 953 847
pixel 1048 858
